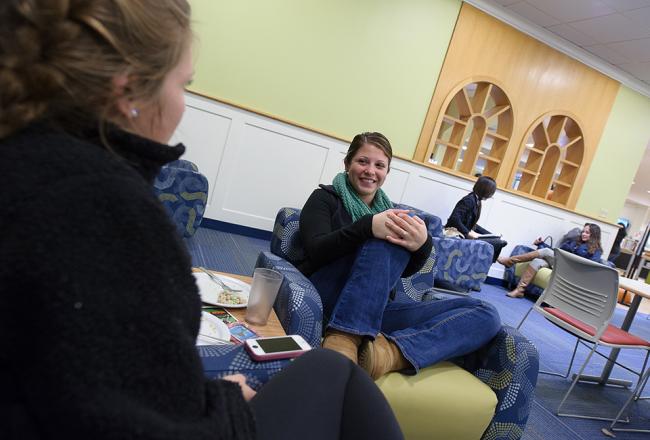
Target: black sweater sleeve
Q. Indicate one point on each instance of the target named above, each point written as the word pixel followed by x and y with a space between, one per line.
pixel 100 312
pixel 460 216
pixel 322 241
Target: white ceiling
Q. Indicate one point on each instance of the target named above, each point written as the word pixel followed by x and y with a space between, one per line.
pixel 617 31
pixel 612 36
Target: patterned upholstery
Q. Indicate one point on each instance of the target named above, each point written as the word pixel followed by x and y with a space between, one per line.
pixel 184 192
pixel 222 360
pixel 461 264
pixel 508 364
pixel 298 304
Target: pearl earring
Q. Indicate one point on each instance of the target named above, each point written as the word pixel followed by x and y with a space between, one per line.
pixel 135 113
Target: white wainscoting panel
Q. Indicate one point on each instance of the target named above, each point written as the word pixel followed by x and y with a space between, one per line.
pixel 204 134
pixel 434 193
pixel 270 170
pixel 256 165
pixel 333 166
pixel 396 182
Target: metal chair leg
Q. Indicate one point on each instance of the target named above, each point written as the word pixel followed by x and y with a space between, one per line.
pixel 565 375
pixel 573 384
pixel 524 318
pixel 639 387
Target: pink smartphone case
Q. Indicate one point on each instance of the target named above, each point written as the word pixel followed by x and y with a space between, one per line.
pixel 274 356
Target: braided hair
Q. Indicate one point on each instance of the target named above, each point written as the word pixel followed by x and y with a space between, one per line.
pixel 58 58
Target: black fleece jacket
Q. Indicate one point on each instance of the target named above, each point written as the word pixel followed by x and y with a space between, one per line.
pixel 328 233
pixel 98 308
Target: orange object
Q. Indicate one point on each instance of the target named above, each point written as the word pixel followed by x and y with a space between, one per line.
pixel 628 297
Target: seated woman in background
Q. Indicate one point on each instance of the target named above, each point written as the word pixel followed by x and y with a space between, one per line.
pixel 357 249
pixel 99 311
pixel 586 245
pixel 467 212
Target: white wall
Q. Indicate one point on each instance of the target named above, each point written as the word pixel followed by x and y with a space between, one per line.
pixel 637 214
pixel 256 165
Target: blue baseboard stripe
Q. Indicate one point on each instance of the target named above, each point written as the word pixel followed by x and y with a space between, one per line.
pixel 236 229
pixel 495 281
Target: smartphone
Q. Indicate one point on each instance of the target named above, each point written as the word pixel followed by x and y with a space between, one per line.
pixel 239 332
pixel 278 347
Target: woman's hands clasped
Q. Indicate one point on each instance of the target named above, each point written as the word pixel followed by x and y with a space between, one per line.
pixel 397 227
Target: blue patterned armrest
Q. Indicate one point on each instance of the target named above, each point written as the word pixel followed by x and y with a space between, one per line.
pixel 434 224
pixel 508 365
pixel 298 304
pixel 222 360
pixel 462 263
pixel 183 192
pixel 421 282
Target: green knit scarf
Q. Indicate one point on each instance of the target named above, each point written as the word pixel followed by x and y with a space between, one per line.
pixel 353 204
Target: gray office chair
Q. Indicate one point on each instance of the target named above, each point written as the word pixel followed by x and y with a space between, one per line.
pixel 580 299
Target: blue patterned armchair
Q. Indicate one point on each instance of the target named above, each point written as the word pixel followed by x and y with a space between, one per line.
pixel 461 265
pixel 508 365
pixel 183 191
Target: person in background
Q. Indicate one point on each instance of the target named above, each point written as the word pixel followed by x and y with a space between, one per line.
pixel 586 245
pixel 358 247
pixel 616 247
pixel 99 311
pixel 465 216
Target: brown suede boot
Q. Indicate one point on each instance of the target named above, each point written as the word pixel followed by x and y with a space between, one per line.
pixel 509 261
pixel 380 357
pixel 345 343
pixel 524 281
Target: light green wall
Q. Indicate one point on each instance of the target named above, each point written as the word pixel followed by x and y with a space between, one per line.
pixel 621 147
pixel 339 66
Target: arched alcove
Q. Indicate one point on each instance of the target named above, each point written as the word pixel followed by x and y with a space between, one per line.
pixel 550 159
pixel 473 133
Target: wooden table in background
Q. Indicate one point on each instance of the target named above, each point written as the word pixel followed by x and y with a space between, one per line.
pixel 272 327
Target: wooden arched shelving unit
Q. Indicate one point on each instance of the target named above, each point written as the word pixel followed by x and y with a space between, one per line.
pixel 473 133
pixel 550 159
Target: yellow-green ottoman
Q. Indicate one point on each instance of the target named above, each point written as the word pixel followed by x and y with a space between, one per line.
pixel 440 402
pixel 542 277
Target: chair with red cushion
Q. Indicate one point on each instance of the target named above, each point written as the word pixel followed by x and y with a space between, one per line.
pixel 580 299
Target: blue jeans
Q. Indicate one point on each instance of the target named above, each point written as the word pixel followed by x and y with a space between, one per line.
pixel 355 293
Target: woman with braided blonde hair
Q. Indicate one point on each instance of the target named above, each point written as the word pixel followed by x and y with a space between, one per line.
pixel 99 311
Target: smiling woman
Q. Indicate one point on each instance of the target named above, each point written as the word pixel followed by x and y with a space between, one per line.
pixel 357 248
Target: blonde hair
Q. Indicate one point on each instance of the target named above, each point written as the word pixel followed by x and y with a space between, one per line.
pixel 58 58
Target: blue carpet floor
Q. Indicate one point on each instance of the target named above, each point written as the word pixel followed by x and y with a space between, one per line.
pixel 237 254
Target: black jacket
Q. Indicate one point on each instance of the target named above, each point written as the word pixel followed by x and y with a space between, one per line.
pixel 328 233
pixel 465 215
pixel 98 308
pixel 620 235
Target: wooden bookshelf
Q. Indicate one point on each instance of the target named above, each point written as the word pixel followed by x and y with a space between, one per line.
pixel 550 159
pixel 474 131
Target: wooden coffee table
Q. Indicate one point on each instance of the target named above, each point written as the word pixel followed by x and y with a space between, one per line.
pixel 272 327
